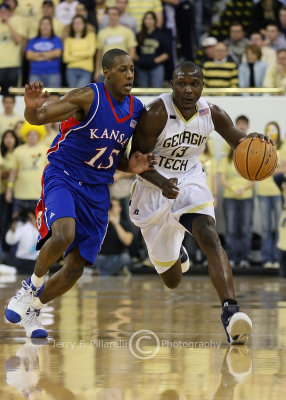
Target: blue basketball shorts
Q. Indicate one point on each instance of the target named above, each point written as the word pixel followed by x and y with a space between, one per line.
pixel 61 197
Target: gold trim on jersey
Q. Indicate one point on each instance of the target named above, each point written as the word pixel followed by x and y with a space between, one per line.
pixel 164 264
pixel 200 207
pixel 181 116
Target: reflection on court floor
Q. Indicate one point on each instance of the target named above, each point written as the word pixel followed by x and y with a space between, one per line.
pixel 133 339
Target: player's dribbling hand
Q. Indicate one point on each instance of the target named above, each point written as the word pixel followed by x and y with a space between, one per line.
pixel 258 135
pixel 34 96
pixel 170 188
pixel 139 162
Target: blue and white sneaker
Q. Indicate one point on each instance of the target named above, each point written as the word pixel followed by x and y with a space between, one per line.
pixel 20 304
pixel 185 261
pixel 32 325
pixel 237 325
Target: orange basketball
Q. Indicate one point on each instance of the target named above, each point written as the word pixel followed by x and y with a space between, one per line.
pixel 255 159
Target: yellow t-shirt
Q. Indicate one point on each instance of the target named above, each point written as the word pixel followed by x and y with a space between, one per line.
pixel 79 53
pixel 10 51
pixel 137 8
pixel 29 162
pixel 236 181
pixel 120 37
pixel 268 187
pixel 8 122
pixel 29 8
pixel 209 164
pixel 7 163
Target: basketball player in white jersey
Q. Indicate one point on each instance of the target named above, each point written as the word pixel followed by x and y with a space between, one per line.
pixel 174 198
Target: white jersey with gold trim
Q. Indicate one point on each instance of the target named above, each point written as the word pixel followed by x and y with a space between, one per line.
pixel 181 142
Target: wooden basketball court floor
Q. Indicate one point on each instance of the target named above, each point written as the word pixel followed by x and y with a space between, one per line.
pixel 130 338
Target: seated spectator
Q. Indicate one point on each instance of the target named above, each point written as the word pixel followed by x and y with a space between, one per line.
pixel 264 11
pixel 114 255
pixel 268 55
pixel 125 19
pixel 151 53
pixel 82 11
pixel 238 210
pixel 207 51
pixel 275 76
pixel 79 51
pixel 29 160
pixel 117 34
pixel 273 37
pixel 44 53
pixel 222 71
pixel 48 10
pixel 65 11
pixel 52 128
pixel 236 43
pixel 8 144
pixel 24 234
pixel 252 72
pixel 17 130
pixel 8 118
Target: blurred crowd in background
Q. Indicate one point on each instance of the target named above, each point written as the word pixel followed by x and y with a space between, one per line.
pixel 237 44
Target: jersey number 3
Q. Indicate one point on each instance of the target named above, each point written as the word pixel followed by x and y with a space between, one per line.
pixel 100 154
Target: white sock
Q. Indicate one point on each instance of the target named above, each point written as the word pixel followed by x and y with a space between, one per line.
pixel 37 303
pixel 36 281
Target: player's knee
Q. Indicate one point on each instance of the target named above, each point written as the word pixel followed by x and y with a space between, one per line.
pixel 74 273
pixel 63 239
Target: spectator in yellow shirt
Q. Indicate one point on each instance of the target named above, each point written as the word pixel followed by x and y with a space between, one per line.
pixel 115 35
pixel 269 201
pixel 27 167
pixel 238 210
pixel 8 118
pixel 79 51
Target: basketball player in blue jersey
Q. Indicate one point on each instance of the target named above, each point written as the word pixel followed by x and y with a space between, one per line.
pixel 174 198
pixel 72 214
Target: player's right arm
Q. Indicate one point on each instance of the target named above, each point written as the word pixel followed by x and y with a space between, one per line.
pixel 151 123
pixel 75 103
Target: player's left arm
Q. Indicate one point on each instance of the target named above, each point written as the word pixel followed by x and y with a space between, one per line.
pixel 137 163
pixel 225 127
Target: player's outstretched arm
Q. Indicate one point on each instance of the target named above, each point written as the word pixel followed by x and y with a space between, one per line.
pixel 76 102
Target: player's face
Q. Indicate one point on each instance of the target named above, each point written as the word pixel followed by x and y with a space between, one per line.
pixel 120 77
pixel 187 89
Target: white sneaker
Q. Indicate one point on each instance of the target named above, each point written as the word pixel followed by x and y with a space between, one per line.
pixel 20 304
pixel 239 328
pixel 32 325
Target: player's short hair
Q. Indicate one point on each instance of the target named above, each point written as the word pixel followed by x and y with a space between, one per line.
pixel 188 65
pixel 109 56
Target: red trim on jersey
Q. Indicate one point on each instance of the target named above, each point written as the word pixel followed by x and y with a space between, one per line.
pixel 66 126
pixel 41 223
pixel 119 120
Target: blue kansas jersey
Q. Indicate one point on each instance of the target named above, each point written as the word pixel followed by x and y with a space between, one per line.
pixel 89 150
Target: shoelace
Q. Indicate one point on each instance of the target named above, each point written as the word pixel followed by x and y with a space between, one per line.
pixel 28 289
pixel 31 318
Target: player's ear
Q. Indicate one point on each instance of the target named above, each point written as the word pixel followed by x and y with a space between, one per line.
pixel 106 72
